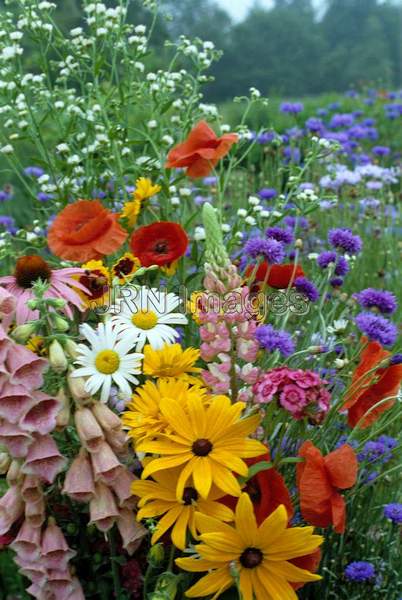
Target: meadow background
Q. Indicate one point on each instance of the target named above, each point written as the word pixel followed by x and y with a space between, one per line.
pixel 348 52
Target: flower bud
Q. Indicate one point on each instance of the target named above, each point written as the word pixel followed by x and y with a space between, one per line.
pixel 166 587
pixel 5 462
pixel 63 417
pixel 57 357
pixel 14 472
pixel 156 555
pixel 77 389
pixel 299 243
pixel 56 302
pixel 71 348
pixel 58 322
pixel 22 333
pixel 33 304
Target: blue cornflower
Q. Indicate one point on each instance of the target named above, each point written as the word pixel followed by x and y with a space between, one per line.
pixel 272 250
pixel 336 282
pixel 267 193
pixel 291 107
pixel 34 171
pixel 306 287
pixel 280 235
pixel 381 150
pixel 294 222
pixel 360 571
pixel 377 328
pixel 271 339
pixel 396 359
pixel 379 450
pixel 393 512
pixel 382 299
pixel 345 240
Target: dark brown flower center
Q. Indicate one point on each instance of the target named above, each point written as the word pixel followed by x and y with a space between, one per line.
pixel 201 447
pixel 31 268
pixel 189 495
pixel 123 267
pixel 253 490
pixel 251 558
pixel 161 247
pixel 95 282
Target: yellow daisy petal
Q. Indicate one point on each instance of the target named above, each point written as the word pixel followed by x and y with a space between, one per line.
pixel 245 522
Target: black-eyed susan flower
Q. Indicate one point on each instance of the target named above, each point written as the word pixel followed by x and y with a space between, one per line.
pixel 158 497
pixel 126 266
pixel 144 189
pixel 209 441
pixel 144 418
pixel 96 280
pixel 172 361
pixel 259 556
pixel 37 345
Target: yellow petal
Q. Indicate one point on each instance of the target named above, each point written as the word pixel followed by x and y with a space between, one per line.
pixel 180 528
pixel 231 461
pixel 153 509
pixel 244 427
pixel 216 582
pixel 161 447
pixel 293 543
pixel 195 565
pixel 215 509
pixel 225 480
pixel 184 477
pixel 245 522
pixel 246 586
pixel 166 522
pixel 272 527
pixel 167 462
pixel 290 572
pixel 177 418
pixel 275 585
pixel 202 476
pixel 197 416
pixel 230 544
pixel 215 555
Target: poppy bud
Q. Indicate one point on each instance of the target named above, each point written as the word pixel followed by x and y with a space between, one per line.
pixel 57 357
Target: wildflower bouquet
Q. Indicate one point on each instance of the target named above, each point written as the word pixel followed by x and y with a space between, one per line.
pixel 190 404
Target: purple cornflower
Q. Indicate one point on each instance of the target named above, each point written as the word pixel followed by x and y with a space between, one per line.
pixel 211 180
pixel 382 299
pixel 393 512
pixel 271 339
pixel 396 359
pixel 292 108
pixel 377 328
pixel 4 196
pixel 315 125
pixel 379 450
pixel 360 571
pixel 336 282
pixel 280 235
pixel 8 223
pixel 381 150
pixel 267 193
pixel 272 250
pixel 34 171
pixel 294 222
pixel 43 197
pixel 326 258
pixel 345 239
pixel 306 287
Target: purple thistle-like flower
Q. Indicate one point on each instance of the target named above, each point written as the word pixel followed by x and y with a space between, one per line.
pixel 43 197
pixel 280 235
pixel 345 240
pixel 396 359
pixel 326 258
pixel 306 287
pixel 294 222
pixel 381 150
pixel 382 299
pixel 272 250
pixel 336 282
pixel 271 339
pixel 267 193
pixel 34 171
pixel 342 266
pixel 292 108
pixel 377 328
pixel 393 512
pixel 360 571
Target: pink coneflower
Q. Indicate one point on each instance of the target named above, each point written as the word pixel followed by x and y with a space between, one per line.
pixel 29 269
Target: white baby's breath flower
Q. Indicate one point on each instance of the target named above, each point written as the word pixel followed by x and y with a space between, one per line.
pixel 168 140
pixel 62 148
pixel 199 234
pixel 7 149
pixel 242 212
pixel 250 220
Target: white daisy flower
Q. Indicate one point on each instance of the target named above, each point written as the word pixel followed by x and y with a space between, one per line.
pixel 144 315
pixel 107 360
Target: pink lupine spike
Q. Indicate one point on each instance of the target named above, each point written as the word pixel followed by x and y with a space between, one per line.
pixel 102 508
pixel 25 368
pixel 55 550
pixel 31 490
pixel 105 464
pixel 11 508
pixel 88 429
pixel 121 487
pixel 132 532
pixel 79 482
pixel 35 512
pixel 44 459
pixel 28 542
pixel 106 418
pixel 15 401
pixel 16 440
pixel 41 417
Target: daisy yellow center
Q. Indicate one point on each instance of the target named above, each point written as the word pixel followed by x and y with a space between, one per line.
pixel 144 319
pixel 107 362
pixel 251 558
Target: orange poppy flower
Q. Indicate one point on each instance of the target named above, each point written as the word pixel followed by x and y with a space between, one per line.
pixel 200 151
pixel 370 385
pixel 279 276
pixel 85 230
pixel 319 478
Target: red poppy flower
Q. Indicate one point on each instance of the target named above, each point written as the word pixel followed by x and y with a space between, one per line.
pixel 159 244
pixel 267 490
pixel 319 478
pixel 85 230
pixel 370 385
pixel 279 276
pixel 200 151
pixel 310 562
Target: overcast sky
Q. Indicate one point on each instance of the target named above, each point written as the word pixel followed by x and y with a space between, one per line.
pixel 238 8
